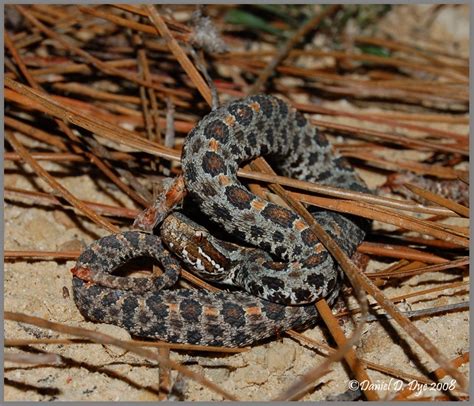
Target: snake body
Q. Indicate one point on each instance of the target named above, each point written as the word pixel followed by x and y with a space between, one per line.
pixel 288 271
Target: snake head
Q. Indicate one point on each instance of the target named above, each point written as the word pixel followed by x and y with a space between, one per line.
pixel 194 245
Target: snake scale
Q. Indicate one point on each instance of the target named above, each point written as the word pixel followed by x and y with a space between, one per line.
pixel 279 277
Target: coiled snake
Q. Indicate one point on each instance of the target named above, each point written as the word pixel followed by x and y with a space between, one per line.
pixel 281 278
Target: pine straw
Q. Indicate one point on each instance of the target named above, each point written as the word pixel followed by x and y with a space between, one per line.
pixel 101 112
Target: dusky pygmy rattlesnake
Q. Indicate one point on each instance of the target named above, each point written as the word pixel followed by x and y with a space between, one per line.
pixel 279 295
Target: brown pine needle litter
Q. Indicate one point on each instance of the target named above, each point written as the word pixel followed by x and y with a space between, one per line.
pixel 98 100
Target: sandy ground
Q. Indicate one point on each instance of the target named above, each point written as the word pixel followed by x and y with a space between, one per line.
pixel 96 372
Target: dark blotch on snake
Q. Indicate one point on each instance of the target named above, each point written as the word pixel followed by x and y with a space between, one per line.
pixel 280 251
pixel 214 330
pixel 239 234
pixel 283 108
pixel 279 215
pixel 193 336
pixel 273 283
pixel 312 260
pixel 270 136
pixel 242 113
pixel 144 317
pixel 273 311
pixel 252 139
pixel 195 146
pixel 315 279
pixel 218 130
pixel 276 266
pixel 213 164
pixel 111 242
pixel 190 310
pixel 256 231
pixel 238 197
pixel 303 295
pixel 278 236
pixel 221 212
pixel 300 119
pixel 208 189
pixel 159 309
pixel 88 256
pixel 308 237
pixel 233 314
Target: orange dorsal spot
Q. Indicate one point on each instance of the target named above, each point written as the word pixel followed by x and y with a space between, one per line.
pixel 319 248
pixel 253 311
pixel 213 145
pixel 173 307
pixel 300 225
pixel 224 180
pixel 258 204
pixel 211 312
pixel 255 106
pixel 229 120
